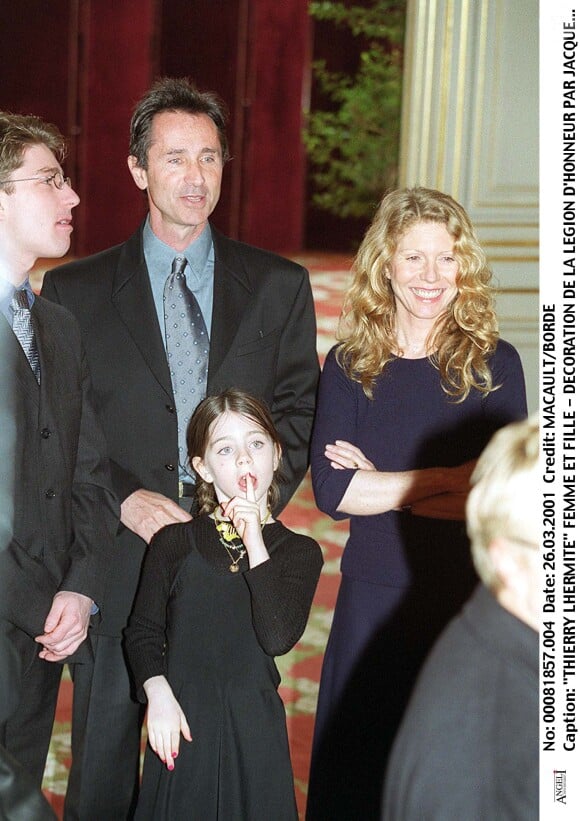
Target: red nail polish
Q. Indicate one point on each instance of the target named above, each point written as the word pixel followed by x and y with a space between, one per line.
pixel 174 755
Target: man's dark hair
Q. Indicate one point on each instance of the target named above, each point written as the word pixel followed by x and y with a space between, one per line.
pixel 174 94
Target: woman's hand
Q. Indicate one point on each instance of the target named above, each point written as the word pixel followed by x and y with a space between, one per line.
pixel 165 720
pixel 459 477
pixel 451 503
pixel 344 456
pixel 442 506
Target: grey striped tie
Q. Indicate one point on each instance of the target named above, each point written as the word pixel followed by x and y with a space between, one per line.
pixel 187 347
pixel 24 331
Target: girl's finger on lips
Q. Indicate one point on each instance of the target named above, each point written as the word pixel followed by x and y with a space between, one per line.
pixel 250 489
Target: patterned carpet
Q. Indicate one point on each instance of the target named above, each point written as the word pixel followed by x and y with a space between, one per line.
pixel 300 669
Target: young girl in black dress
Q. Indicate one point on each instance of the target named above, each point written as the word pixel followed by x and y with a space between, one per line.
pixel 219 597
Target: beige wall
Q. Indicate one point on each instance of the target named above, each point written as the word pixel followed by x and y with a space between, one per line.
pixel 470 128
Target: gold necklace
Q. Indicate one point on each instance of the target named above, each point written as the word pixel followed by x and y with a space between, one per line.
pixel 234 567
pixel 227 534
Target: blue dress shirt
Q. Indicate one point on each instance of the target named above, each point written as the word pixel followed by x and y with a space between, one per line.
pixel 7 291
pixel 200 256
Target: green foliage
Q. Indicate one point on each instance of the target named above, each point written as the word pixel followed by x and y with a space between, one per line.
pixel 353 146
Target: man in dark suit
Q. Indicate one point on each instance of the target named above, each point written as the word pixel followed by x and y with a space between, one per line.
pixel 61 517
pixel 257 311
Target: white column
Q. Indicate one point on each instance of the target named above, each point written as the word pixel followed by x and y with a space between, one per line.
pixel 470 128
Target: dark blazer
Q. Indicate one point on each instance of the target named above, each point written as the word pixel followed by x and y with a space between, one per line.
pixel 468 745
pixel 64 514
pixel 262 339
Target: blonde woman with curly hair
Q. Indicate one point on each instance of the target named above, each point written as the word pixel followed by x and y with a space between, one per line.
pixel 408 399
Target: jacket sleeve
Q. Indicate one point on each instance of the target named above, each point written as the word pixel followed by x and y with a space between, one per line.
pixel 295 390
pixel 123 481
pixel 95 510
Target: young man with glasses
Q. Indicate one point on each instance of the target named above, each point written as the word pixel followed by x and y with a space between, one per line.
pixel 59 513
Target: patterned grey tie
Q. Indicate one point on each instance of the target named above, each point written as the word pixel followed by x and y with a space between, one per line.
pixel 187 346
pixel 22 327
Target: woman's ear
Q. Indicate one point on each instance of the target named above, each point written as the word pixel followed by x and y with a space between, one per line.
pixel 199 466
pixel 277 457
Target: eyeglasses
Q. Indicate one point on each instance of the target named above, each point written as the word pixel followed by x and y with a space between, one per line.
pixel 57 179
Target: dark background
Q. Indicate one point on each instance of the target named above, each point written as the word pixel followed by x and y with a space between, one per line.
pixel 83 64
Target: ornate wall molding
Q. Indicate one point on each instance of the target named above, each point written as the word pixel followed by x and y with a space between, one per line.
pixel 471 128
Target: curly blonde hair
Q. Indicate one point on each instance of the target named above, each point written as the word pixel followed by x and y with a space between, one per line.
pixel 464 336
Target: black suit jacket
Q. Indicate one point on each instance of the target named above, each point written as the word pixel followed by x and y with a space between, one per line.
pixel 262 339
pixel 64 514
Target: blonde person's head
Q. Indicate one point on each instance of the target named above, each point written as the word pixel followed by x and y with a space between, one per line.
pixel 504 500
pixel 461 339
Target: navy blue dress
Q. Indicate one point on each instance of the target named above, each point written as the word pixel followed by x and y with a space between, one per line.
pixel 403 576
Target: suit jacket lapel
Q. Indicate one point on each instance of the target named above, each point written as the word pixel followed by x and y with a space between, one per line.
pixel 12 349
pixel 133 298
pixel 49 336
pixel 231 293
pixel 44 339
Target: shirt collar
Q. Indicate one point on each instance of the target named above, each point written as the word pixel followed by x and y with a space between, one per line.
pixel 196 253
pixel 7 291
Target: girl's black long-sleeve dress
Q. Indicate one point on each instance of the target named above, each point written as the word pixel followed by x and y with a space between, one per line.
pixel 213 634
